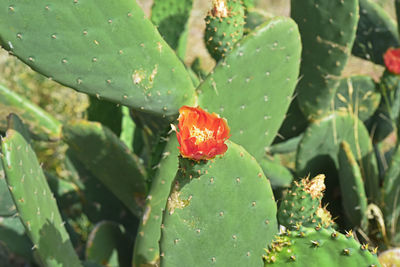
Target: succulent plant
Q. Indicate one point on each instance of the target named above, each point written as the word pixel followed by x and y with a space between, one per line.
pixel 173 166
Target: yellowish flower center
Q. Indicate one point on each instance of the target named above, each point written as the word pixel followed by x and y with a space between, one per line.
pixel 201 135
pixel 220 9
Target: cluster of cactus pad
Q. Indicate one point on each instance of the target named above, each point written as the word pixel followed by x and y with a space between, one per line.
pixel 323 145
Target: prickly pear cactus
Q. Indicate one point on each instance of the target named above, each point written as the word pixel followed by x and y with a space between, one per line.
pixel 318 247
pixel 35 203
pixel 101 54
pixel 41 125
pixel 215 206
pixel 352 186
pixel 376 32
pixel 273 52
pixel 172 18
pixel 147 250
pixel 301 202
pixel 224 27
pixel 327 31
pixel 357 95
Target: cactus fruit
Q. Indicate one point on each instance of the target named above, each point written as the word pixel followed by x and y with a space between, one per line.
pixel 36 206
pixel 224 27
pixel 301 202
pixel 318 247
pixel 327 31
pixel 216 206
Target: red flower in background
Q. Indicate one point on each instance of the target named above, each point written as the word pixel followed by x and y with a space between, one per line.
pixel 201 134
pixel 392 60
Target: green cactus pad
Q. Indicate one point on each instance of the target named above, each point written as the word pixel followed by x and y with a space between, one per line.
pixel 384 120
pixel 12 234
pixel 109 160
pixel 294 124
pixel 102 48
pixel 104 243
pixel 107 113
pixel 320 147
pixel 41 125
pixel 219 212
pixel 254 18
pixel 314 248
pixel 391 190
pixel 376 32
pixel 299 205
pixel 35 203
pixel 172 18
pixel 327 31
pixel 127 128
pixel 357 95
pixel 272 53
pixel 277 174
pixel 147 250
pixel 7 207
pixel 224 27
pixel 354 199
pixel 287 146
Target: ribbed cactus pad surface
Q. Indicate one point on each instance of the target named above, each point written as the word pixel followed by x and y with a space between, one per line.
pixel 104 48
pixel 255 98
pixel 219 213
pixel 35 203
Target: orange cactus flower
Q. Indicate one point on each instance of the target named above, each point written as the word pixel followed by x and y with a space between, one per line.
pixel 201 135
pixel 392 60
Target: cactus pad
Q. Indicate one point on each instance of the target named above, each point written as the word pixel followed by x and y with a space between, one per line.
pixel 40 124
pixel 102 48
pixel 272 53
pixel 109 160
pixel 376 32
pixel 352 187
pixel 314 248
pixel 36 206
pixel 147 250
pixel 327 31
pixel 215 206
